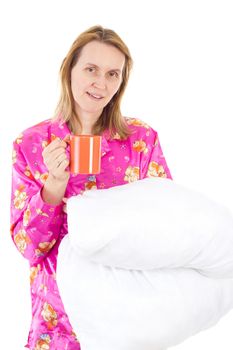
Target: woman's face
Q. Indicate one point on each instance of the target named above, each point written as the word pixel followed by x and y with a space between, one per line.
pixel 96 77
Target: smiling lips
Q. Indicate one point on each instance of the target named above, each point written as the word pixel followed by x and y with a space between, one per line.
pixel 93 96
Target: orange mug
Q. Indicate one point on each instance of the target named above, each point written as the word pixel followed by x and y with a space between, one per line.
pixel 85 154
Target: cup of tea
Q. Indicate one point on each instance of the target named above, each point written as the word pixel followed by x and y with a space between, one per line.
pixel 85 154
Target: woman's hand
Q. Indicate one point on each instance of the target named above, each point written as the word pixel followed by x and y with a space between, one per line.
pixel 55 158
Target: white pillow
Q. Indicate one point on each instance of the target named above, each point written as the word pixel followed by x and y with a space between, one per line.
pixel 152 223
pixel 129 269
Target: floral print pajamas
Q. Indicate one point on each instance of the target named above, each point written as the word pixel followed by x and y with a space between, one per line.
pixel 37 228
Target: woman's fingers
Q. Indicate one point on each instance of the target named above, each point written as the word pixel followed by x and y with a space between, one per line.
pixel 58 169
pixel 60 159
pixel 54 145
pixel 63 165
pixel 54 156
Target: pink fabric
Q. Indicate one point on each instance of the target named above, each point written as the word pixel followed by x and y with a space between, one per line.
pixel 37 228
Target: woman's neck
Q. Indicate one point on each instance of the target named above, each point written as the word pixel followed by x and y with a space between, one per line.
pixel 86 129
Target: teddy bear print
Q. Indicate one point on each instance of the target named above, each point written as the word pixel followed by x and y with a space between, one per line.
pixel 49 315
pixel 42 177
pixel 131 174
pixel 21 240
pixel 26 216
pixel 44 247
pixel 140 146
pixel 137 122
pixel 33 273
pixel 43 342
pixel 91 184
pixel 20 197
pixel 155 170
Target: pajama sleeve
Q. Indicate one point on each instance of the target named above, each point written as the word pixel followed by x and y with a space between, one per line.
pixel 153 162
pixel 35 225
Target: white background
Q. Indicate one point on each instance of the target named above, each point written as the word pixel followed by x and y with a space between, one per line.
pixel 181 85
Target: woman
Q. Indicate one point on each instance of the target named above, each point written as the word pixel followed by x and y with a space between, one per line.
pixel 94 75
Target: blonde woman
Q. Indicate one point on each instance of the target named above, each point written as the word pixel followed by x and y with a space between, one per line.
pixel 94 76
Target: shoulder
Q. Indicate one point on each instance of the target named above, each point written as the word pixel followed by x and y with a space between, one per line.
pixel 39 129
pixel 33 132
pixel 30 143
pixel 40 133
pixel 140 128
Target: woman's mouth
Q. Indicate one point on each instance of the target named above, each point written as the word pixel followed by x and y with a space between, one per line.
pixel 94 97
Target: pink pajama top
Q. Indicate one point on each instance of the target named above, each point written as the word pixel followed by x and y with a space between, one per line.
pixel 37 228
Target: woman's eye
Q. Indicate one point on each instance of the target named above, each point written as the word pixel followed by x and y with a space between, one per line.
pixel 90 69
pixel 114 74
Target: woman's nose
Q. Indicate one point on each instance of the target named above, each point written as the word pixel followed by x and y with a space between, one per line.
pixel 100 82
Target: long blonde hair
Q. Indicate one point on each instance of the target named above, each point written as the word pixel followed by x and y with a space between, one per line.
pixel 111 117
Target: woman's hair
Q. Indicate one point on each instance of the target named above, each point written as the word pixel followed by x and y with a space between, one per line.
pixel 111 117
